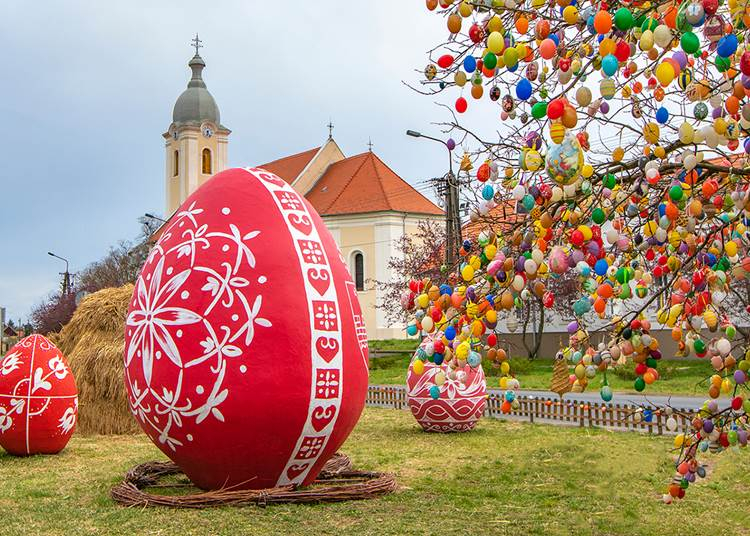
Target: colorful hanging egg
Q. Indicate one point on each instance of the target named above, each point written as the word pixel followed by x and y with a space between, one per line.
pixel 246 352
pixel 565 160
pixel 557 132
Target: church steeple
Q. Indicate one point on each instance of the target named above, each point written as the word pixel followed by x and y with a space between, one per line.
pixel 197 65
pixel 197 142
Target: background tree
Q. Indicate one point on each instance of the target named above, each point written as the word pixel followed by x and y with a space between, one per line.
pixel 419 257
pixel 121 265
pixel 53 313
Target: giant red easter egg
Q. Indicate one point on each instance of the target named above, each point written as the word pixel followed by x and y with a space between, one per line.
pixel 462 396
pixel 38 398
pixel 246 354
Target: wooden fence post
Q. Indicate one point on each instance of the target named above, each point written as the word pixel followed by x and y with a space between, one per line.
pixel 581 419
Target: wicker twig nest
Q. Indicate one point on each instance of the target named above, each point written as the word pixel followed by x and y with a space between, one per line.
pixel 337 482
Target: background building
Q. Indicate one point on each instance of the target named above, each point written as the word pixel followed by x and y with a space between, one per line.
pixel 365 204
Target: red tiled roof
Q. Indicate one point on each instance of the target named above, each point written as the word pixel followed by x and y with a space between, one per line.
pixel 364 183
pixel 289 167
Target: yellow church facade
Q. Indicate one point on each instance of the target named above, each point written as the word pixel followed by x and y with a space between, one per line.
pixel 366 206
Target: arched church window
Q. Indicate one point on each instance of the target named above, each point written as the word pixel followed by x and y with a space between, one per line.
pixel 358 260
pixel 206 161
pixel 176 164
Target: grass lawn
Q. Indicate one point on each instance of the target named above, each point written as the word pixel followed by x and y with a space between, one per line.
pixel 503 478
pixel 683 377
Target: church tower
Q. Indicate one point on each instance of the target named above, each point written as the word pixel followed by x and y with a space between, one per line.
pixel 196 141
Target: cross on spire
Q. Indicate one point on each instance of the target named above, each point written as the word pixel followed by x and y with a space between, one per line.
pixel 196 42
pixel 330 129
pixel 369 143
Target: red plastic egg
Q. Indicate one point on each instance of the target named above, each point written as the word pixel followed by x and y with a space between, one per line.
pixel 445 61
pixel 38 398
pixel 246 352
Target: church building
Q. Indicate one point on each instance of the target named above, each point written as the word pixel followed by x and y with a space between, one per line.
pixel 365 204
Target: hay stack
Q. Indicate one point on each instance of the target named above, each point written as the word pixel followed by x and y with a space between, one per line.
pixel 93 343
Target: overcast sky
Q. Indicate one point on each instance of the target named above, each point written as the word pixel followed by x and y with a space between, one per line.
pixel 88 89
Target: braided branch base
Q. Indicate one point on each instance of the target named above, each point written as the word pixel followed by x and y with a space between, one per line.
pixel 337 482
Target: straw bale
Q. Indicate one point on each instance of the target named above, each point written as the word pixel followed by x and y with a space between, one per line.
pixel 93 342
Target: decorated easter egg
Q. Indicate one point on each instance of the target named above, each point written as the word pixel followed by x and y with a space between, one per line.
pixel 38 398
pixel 565 160
pixel 246 351
pixel 441 402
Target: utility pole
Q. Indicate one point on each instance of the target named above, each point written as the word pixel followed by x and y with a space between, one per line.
pixel 66 275
pixel 454 220
pixel 449 240
pixel 452 210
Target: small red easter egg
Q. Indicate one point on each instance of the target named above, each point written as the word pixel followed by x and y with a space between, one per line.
pixel 38 398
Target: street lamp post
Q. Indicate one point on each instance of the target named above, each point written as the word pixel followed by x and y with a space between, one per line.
pixel 452 215
pixel 66 274
pixel 151 216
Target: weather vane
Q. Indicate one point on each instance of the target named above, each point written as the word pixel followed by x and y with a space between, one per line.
pixel 369 143
pixel 196 43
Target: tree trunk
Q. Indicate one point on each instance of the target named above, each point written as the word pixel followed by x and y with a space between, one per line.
pixel 524 333
pixel 539 332
pixel 532 352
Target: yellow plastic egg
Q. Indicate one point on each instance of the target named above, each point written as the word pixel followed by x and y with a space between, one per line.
pixel 495 24
pixel 730 248
pixel 496 42
pixel 686 133
pixel 570 14
pixel 490 250
pixel 651 132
